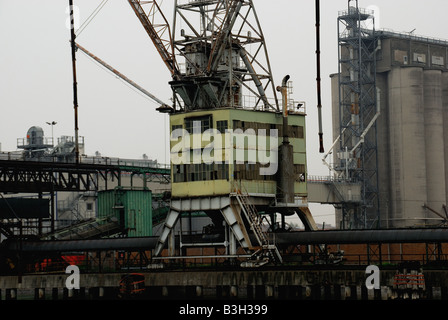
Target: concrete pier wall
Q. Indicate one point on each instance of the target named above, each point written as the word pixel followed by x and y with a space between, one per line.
pixel 251 284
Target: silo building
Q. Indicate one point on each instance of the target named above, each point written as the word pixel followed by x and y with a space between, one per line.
pixel 392 90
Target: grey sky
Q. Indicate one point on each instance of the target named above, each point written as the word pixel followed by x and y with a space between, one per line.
pixel 36 75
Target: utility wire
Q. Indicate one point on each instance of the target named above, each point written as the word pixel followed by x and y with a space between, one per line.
pixel 91 17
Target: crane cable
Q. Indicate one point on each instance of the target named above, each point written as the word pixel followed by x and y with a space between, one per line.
pixel 91 17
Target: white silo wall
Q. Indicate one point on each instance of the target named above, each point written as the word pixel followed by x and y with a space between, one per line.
pixel 407 147
pixel 383 146
pixel 445 127
pixel 434 142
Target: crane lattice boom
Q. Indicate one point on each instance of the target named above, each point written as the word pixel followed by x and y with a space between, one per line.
pixel 222 48
pixel 157 32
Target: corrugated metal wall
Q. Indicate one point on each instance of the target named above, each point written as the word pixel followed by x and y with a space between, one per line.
pixel 133 209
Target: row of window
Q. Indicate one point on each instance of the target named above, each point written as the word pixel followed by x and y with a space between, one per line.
pixel 205 123
pixel 200 172
pixel 250 171
pixel 245 171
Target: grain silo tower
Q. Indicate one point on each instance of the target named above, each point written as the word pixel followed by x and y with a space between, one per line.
pixel 411 83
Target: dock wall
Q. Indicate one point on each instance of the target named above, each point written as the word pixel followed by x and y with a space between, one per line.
pixel 238 284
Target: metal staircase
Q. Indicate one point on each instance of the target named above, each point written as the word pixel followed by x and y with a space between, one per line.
pixel 265 252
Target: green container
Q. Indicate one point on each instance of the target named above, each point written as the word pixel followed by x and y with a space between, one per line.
pixel 132 208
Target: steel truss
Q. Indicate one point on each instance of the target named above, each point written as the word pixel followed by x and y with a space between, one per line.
pixel 358 113
pixel 38 177
pixel 213 50
pixel 50 177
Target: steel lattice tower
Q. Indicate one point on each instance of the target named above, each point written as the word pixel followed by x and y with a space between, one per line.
pixel 357 156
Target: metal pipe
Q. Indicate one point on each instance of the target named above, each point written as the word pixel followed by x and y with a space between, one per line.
pixel 288 238
pixel 75 84
pixel 318 79
pixel 285 185
pixel 283 89
pixel 80 245
pixel 363 236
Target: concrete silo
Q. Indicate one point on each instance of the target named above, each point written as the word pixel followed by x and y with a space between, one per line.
pixel 411 78
pixel 434 143
pixel 445 127
pixel 407 158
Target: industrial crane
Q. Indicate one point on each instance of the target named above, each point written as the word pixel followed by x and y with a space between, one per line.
pixel 223 52
pixel 217 64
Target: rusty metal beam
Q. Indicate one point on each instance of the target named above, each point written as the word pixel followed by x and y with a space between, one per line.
pixel 164 46
pixel 122 76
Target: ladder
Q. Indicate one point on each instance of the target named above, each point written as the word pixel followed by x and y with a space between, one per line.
pixel 267 251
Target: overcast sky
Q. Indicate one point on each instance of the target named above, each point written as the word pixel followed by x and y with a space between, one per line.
pixel 116 120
